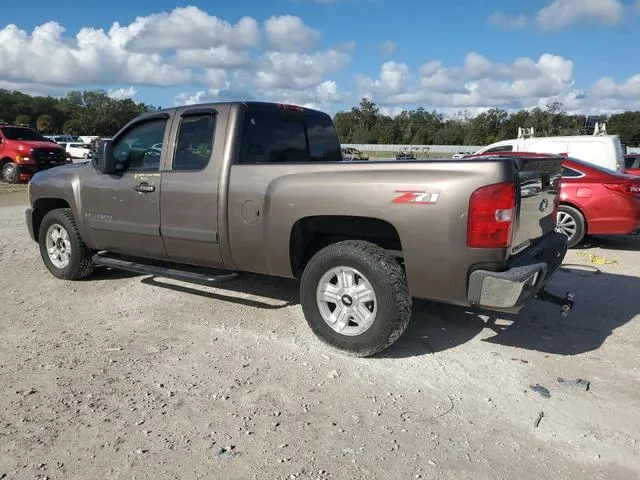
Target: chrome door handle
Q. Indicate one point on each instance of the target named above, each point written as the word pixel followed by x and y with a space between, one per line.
pixel 144 187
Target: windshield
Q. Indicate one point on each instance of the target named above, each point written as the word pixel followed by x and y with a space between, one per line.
pixel 22 133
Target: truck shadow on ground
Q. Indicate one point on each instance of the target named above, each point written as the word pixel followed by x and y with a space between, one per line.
pixel 248 290
pixel 604 302
pixel 613 242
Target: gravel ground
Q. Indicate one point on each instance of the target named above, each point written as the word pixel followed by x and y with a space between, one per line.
pixel 125 376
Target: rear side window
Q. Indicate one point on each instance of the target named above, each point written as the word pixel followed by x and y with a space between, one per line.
pixel 502 148
pixel 195 142
pixel 274 137
pixel 570 172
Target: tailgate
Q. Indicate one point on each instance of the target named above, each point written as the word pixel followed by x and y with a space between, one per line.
pixel 539 182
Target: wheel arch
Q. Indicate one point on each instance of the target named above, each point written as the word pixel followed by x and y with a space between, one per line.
pixel 579 209
pixel 310 234
pixel 41 207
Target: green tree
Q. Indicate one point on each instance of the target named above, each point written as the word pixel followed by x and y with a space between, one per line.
pixel 22 119
pixel 45 123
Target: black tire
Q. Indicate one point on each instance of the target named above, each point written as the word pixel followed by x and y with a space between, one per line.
pixel 388 282
pixel 573 216
pixel 80 264
pixel 10 173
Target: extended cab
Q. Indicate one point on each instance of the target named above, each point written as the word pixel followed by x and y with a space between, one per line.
pixel 24 151
pixel 261 187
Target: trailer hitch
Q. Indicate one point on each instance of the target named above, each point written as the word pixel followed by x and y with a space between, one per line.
pixel 565 303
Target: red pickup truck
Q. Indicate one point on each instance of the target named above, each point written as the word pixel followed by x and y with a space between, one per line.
pixel 24 151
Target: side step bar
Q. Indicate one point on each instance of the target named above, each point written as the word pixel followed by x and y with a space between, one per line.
pixel 163 269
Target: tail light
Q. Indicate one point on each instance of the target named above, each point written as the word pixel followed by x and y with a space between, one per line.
pixel 491 216
pixel 628 188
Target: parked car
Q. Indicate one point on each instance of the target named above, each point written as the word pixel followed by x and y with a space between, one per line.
pixel 79 150
pixel 405 154
pixel 632 164
pixel 597 201
pixel 24 151
pixel 262 187
pixel 593 200
pixel 598 149
pixel 351 154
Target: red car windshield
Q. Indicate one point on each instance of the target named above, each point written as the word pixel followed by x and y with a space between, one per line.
pixel 22 133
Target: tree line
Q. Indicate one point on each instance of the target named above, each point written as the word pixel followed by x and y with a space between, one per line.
pixel 79 113
pixel 95 113
pixel 366 124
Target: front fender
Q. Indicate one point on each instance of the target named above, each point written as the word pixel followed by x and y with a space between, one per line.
pixel 59 184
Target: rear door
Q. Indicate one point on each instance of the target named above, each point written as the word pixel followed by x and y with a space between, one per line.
pixel 189 197
pixel 539 180
pixel 123 211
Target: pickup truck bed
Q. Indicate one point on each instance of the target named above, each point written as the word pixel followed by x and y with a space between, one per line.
pixel 258 187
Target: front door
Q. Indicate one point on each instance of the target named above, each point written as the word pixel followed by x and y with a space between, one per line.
pixel 189 214
pixel 123 210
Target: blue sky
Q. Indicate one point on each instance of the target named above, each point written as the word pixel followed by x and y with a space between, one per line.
pixel 452 56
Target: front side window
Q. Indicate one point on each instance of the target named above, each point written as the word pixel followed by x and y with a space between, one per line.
pixel 194 144
pixel 137 149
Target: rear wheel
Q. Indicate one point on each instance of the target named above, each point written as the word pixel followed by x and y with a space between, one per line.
pixel 355 297
pixel 572 223
pixel 10 173
pixel 62 249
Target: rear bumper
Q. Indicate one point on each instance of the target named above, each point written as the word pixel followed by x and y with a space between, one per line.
pixel 508 290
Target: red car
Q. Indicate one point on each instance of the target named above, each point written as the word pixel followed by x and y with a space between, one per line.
pixel 593 200
pixel 24 151
pixel 632 164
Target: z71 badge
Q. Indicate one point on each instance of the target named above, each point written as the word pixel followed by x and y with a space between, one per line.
pixel 418 197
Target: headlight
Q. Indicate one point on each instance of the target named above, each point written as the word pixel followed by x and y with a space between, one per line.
pixel 22 158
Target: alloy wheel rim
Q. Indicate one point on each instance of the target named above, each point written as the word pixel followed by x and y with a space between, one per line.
pixel 346 300
pixel 566 224
pixel 58 246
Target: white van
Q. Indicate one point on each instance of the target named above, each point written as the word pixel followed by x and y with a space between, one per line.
pixel 599 149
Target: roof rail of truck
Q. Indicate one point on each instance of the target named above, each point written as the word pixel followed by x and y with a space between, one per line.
pixel 525 133
pixel 600 129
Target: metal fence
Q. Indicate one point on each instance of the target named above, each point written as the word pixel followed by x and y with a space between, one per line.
pixel 450 149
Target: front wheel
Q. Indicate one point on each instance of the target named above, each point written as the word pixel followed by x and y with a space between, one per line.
pixel 355 297
pixel 10 173
pixel 63 251
pixel 572 223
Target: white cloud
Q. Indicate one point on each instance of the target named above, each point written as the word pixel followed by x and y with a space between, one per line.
pixel 289 34
pixel 218 57
pixel 349 47
pixel 185 28
pixel 389 46
pixel 122 93
pixel 478 84
pixel 563 13
pixel 502 20
pixel 296 71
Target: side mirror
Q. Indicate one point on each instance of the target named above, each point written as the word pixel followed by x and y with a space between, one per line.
pixel 104 161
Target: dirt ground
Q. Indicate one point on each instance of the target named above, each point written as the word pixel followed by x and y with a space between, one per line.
pixel 124 376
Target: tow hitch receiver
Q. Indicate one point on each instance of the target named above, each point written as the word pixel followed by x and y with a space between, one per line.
pixel 565 303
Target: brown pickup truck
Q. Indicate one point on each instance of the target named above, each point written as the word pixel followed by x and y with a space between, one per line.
pixel 259 187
